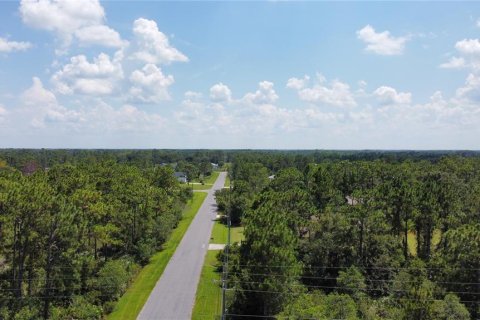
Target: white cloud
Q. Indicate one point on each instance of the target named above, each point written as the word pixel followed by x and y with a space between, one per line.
pixel 100 35
pixel 468 46
pixel 192 95
pixel 382 43
pixel 338 94
pixel 150 85
pixel 38 95
pixel 68 18
pixel 220 93
pixel 470 92
pixel 3 113
pixel 41 106
pixel 10 46
pixel 454 63
pixel 469 51
pixel 297 84
pixel 153 45
pixel 104 118
pixel 97 78
pixel 264 95
pixel 388 95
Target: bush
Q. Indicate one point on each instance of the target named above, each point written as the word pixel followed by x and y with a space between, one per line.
pixel 113 278
pixel 80 308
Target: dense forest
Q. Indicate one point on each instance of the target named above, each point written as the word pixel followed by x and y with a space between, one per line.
pixel 357 239
pixel 73 236
pixel 328 234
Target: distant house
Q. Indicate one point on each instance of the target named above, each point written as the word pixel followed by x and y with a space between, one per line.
pixel 214 165
pixel 271 177
pixel 181 177
pixel 351 200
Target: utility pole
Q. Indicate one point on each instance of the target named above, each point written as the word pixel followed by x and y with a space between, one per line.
pixel 225 263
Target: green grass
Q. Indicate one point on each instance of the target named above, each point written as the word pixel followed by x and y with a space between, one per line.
pixel 412 241
pixel 220 233
pixel 227 182
pixel 207 184
pixel 208 300
pixel 131 303
pixel 201 186
pixel 212 178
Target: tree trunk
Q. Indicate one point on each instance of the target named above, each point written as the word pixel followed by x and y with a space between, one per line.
pixel 405 244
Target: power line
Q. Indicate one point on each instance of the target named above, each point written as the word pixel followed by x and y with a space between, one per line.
pixel 298 293
pixel 333 278
pixel 359 267
pixel 349 288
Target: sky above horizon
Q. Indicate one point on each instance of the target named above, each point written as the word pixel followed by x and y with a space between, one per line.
pixel 226 75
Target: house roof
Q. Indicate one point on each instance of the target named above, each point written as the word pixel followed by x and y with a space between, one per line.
pixel 180 174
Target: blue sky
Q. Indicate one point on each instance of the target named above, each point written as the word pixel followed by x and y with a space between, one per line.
pixel 347 75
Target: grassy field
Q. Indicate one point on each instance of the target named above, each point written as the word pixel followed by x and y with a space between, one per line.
pixel 131 303
pixel 412 241
pixel 208 300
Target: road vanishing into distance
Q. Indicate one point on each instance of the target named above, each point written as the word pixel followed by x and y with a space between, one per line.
pixel 174 294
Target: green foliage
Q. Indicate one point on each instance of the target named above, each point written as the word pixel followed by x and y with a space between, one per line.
pixel 112 279
pixel 449 308
pixel 320 306
pixel 79 308
pixel 74 230
pixel 352 282
pixel 352 222
pixel 262 253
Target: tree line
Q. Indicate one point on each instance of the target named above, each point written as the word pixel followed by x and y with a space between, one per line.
pixel 359 239
pixel 74 235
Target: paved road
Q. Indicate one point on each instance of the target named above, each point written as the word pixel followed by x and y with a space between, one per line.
pixel 174 294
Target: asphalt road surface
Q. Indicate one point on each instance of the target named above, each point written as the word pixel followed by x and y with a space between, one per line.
pixel 174 294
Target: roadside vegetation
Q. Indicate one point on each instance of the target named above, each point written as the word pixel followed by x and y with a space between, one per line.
pixel 355 239
pixel 324 234
pixel 80 228
pixel 131 303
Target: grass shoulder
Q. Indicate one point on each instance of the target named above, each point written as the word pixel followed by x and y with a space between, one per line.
pixel 208 299
pixel 131 303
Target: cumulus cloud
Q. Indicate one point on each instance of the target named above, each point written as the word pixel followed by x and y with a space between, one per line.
pixel 3 113
pixel 382 43
pixel 100 35
pixel 264 95
pixel 99 77
pixel 297 84
pixel 10 46
pixel 470 92
pixel 104 118
pixel 153 45
pixel 41 106
pixel 150 85
pixel 338 94
pixel 220 93
pixel 468 46
pixel 469 56
pixel 454 63
pixel 68 19
pixel 255 113
pixel 388 95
